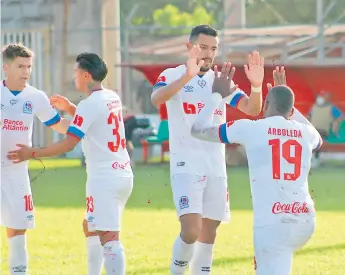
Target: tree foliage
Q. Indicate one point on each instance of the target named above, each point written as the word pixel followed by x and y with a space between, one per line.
pixel 170 20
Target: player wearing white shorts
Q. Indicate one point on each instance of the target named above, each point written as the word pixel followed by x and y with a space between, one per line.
pixel 98 123
pixel 20 104
pixel 197 168
pixel 279 157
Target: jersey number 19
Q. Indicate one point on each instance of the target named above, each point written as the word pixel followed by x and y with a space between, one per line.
pixel 284 150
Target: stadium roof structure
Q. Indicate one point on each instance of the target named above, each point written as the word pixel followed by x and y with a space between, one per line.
pixel 297 44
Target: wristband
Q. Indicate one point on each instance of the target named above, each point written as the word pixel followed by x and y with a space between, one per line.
pixel 257 89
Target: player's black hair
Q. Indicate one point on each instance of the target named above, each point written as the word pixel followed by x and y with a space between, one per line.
pixel 93 64
pixel 202 29
pixel 282 99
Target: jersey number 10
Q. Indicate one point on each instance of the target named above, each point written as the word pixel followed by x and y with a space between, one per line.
pixel 284 150
pixel 115 120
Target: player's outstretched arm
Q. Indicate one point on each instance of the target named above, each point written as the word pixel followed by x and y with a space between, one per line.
pixel 166 87
pixel 202 127
pixel 24 152
pixel 230 132
pixel 279 78
pixel 255 73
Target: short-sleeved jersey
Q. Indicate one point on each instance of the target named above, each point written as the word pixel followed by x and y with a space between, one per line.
pixel 17 115
pixel 98 121
pixel 279 153
pixel 188 154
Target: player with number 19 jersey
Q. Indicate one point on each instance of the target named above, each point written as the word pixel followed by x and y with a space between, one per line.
pixel 98 122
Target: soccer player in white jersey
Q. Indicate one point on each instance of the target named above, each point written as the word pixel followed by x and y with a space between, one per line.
pixel 98 122
pixel 198 168
pixel 279 157
pixel 20 103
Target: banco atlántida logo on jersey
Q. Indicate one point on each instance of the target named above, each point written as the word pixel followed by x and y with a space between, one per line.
pixel 14 125
pixel 193 109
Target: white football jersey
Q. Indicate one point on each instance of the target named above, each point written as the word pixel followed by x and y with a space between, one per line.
pixel 279 155
pixel 98 122
pixel 18 109
pixel 188 154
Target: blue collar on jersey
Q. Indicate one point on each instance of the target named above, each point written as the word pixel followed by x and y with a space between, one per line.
pixel 15 93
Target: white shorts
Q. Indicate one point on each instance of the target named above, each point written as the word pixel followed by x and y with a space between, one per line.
pixel 275 244
pixel 203 195
pixel 17 207
pixel 105 202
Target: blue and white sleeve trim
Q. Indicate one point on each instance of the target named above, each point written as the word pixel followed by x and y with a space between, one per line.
pixel 73 131
pixel 236 99
pixel 56 119
pixel 158 85
pixel 222 133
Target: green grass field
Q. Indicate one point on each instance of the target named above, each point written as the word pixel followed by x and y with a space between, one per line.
pixel 57 245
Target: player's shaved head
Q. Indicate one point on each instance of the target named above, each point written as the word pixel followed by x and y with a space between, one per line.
pixel 279 101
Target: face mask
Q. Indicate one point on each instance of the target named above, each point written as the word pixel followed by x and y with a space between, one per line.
pixel 320 101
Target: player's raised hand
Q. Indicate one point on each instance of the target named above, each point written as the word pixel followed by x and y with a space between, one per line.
pixel 255 69
pixel 279 77
pixel 23 153
pixel 193 64
pixel 60 102
pixel 222 80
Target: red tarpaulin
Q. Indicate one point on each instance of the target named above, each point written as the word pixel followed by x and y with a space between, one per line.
pixel 305 81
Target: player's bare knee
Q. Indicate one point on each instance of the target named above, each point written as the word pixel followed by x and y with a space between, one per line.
pixel 209 231
pixel 191 225
pixel 15 232
pixel 108 236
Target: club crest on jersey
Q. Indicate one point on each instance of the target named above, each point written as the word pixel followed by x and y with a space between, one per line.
pixel 202 83
pixel 27 107
pixel 184 202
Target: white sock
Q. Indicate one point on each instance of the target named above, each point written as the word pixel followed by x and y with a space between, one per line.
pixel 182 254
pixel 202 259
pixel 114 258
pixel 94 255
pixel 18 255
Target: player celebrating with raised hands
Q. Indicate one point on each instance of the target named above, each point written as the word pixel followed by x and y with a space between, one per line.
pixel 20 104
pixel 198 168
pixel 279 156
pixel 98 122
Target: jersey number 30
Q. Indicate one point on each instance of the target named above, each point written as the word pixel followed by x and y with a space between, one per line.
pixel 285 150
pixel 115 120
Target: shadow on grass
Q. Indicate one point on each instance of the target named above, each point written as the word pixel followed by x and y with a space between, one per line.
pixel 233 260
pixel 65 187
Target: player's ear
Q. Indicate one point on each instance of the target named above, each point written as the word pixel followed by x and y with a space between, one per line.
pixel 291 112
pixel 189 45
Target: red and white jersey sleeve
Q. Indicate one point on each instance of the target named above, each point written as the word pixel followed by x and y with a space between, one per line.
pixel 237 131
pixel 83 119
pixel 166 77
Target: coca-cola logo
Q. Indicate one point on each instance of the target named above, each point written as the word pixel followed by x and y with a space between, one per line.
pixel 292 208
pixel 122 166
